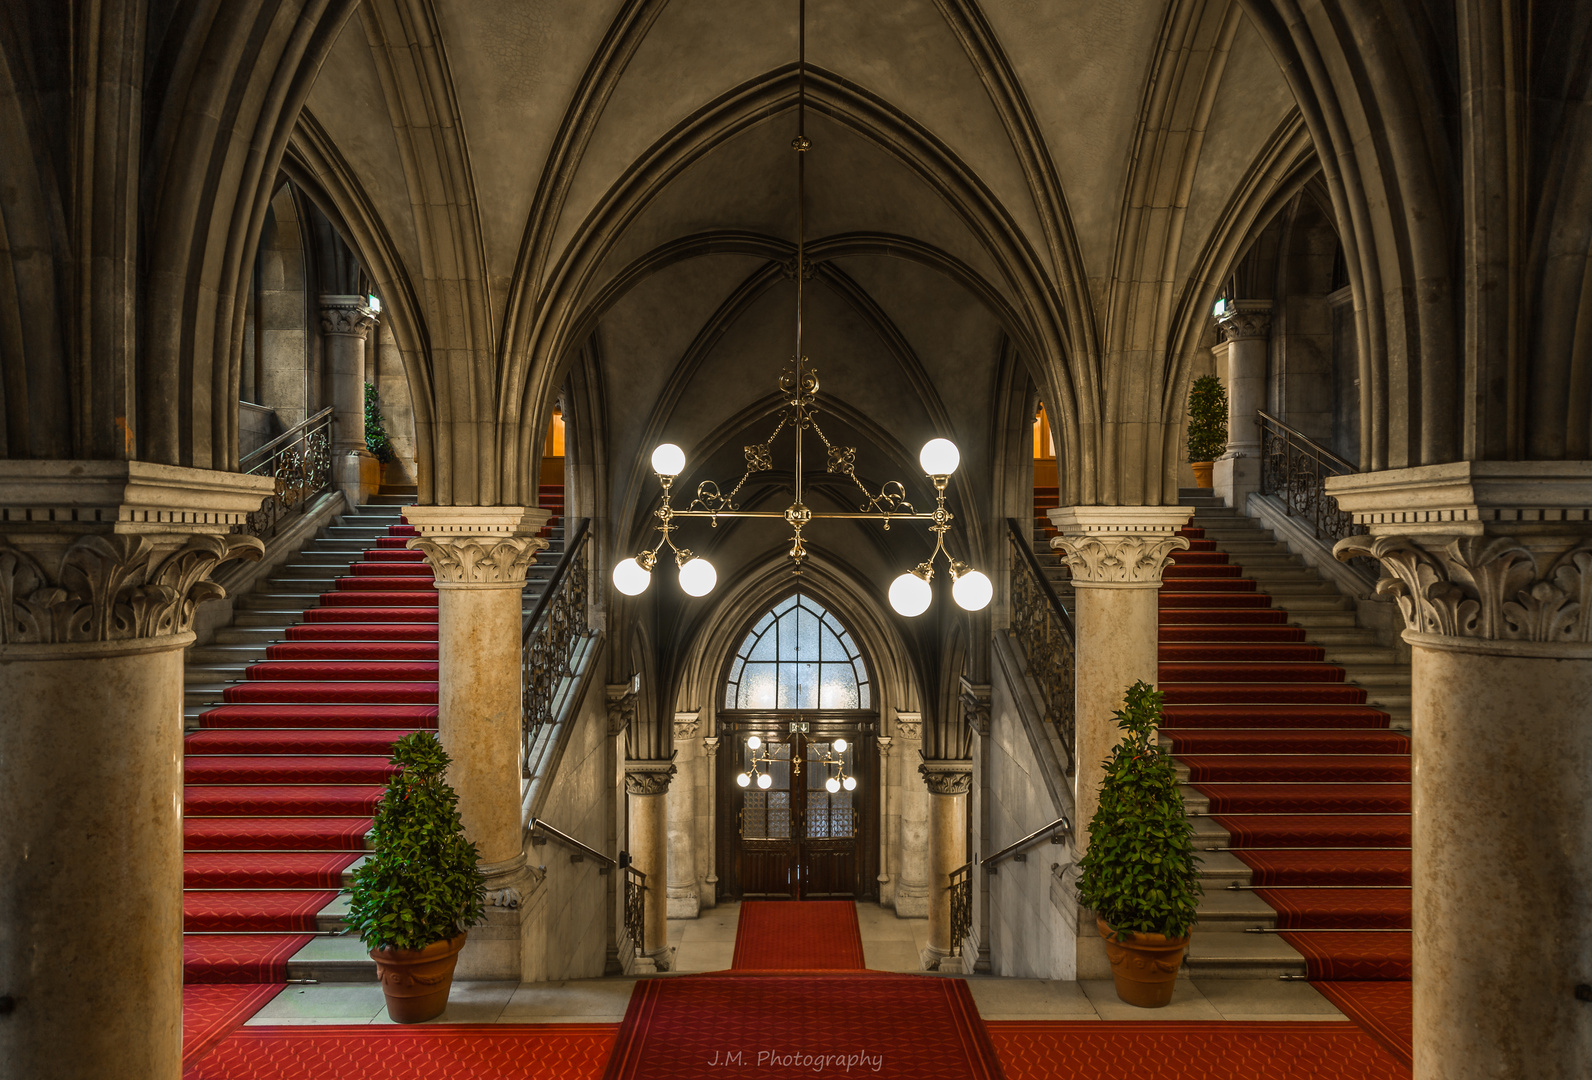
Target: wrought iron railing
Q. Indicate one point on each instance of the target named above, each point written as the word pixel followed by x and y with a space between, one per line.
pixel 636 909
pixel 300 461
pixel 1044 629
pixel 961 906
pixel 1294 469
pixel 553 636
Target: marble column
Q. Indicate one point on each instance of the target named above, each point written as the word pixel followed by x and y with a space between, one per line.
pixel 1491 565
pixel 912 807
pixel 647 786
pixel 710 791
pixel 948 783
pixel 480 555
pixel 883 877
pixel 620 702
pixel 684 902
pixel 101 567
pixel 1247 324
pixel 345 324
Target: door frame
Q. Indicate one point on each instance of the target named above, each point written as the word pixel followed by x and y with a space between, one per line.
pixel 861 726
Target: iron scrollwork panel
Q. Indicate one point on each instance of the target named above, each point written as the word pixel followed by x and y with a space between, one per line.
pixel 551 645
pixel 961 907
pixel 300 462
pixel 1048 646
pixel 1294 470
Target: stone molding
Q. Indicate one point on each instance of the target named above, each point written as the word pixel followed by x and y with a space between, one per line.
pixel 479 561
pixel 349 316
pixel 648 777
pixel 976 705
pixel 477 521
pixel 109 588
pixel 1128 561
pixel 621 702
pixel 686 725
pixel 909 726
pixel 710 746
pixel 1483 588
pixel 1245 319
pixel 947 777
pixel 884 742
pixel 1470 498
pixel 56 500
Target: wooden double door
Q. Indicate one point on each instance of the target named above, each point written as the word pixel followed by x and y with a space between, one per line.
pixel 795 839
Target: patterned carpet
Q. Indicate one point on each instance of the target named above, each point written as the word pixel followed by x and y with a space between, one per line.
pixel 798 935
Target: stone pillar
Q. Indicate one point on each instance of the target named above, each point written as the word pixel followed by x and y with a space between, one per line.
pixel 1247 324
pixel 101 567
pixel 345 324
pixel 620 700
pixel 912 887
pixel 976 699
pixel 480 555
pixel 684 902
pixel 710 788
pixel 1491 565
pixel 948 783
pixel 883 877
pixel 647 785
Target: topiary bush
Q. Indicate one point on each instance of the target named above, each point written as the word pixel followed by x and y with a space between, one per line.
pixel 1207 419
pixel 1141 874
pixel 421 884
pixel 376 440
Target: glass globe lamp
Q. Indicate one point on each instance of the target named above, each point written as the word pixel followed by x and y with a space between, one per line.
pixel 849 783
pixel 765 781
pixel 631 578
pixel 973 590
pixel 939 457
pixel 744 779
pixel 910 595
pixel 668 460
pixel 697 577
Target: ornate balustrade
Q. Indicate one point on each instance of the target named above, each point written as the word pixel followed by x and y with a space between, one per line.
pixel 1294 469
pixel 1044 629
pixel 300 461
pixel 636 909
pixel 961 906
pixel 553 636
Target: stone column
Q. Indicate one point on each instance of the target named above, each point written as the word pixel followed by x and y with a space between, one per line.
pixel 647 785
pixel 976 699
pixel 948 783
pixel 345 324
pixel 710 748
pixel 620 701
pixel 1247 324
pixel 101 567
pixel 480 555
pixel 883 877
pixel 912 887
pixel 1491 565
pixel 684 902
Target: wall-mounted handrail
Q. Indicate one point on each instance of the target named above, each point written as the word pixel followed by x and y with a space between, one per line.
pixel 1054 832
pixel 1043 628
pixel 540 830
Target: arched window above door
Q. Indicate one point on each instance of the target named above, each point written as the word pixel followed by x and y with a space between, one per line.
pixel 798 656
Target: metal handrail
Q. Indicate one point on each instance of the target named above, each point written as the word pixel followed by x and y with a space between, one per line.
pixel 572 545
pixel 636 908
pixel 1044 630
pixel 961 888
pixel 1025 546
pixel 283 439
pixel 537 826
pixel 1054 831
pixel 1314 447
pixel 1294 469
pixel 553 637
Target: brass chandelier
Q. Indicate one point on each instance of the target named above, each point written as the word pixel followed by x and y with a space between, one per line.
pixel 910 593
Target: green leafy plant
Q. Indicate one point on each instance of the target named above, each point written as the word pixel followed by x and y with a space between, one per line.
pixel 421 885
pixel 1141 874
pixel 376 440
pixel 1207 419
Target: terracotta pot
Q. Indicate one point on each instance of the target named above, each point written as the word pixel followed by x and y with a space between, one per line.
pixel 416 981
pixel 1202 472
pixel 1144 966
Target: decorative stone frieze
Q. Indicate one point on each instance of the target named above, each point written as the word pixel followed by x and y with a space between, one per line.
pixel 686 726
pixel 909 726
pixel 947 777
pixel 1484 587
pixel 976 705
pixel 648 777
pixel 349 316
pixel 621 702
pixel 1242 320
pixel 1124 547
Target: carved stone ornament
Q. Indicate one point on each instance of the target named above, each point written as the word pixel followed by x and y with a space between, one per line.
pixel 112 587
pixel 479 560
pixel 710 746
pixel 1483 587
pixel 621 707
pixel 1125 560
pixel 947 777
pixel 648 777
pixel 909 727
pixel 884 742
pixel 346 315
pixel 685 726
pixel 1241 323
pixel 976 705
pixel 503 898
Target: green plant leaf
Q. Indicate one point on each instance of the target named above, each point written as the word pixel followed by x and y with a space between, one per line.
pixel 1207 419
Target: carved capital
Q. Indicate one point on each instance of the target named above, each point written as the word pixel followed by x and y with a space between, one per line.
pixel 111 587
pixel 686 726
pixel 947 777
pixel 1131 560
pixel 909 726
pixel 1241 319
pixel 884 742
pixel 976 705
pixel 648 777
pixel 710 746
pixel 621 700
pixel 1488 588
pixel 477 560
pixel 346 315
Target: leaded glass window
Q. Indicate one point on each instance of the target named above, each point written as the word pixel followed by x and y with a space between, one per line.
pixel 798 656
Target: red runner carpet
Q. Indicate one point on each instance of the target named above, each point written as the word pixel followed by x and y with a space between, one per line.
pixel 798 935
pixel 426 1052
pixel 1385 1009
pixel 876 1024
pixel 209 1013
pixel 1165 1050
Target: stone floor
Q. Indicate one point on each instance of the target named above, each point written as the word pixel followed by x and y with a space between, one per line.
pixel 888 943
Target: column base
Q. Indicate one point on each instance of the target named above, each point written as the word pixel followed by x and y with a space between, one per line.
pixel 683 902
pixel 498 947
pixel 912 900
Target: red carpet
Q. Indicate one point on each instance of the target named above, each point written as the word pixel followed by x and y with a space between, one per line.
pixel 1385 1009
pixel 910 1026
pixel 427 1052
pixel 209 1013
pixel 1164 1050
pixel 798 935
pixel 238 958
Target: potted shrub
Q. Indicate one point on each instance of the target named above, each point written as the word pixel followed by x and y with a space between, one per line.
pixel 1140 875
pixel 420 891
pixel 1207 426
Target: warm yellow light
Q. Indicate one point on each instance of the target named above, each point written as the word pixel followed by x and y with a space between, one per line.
pixel 668 460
